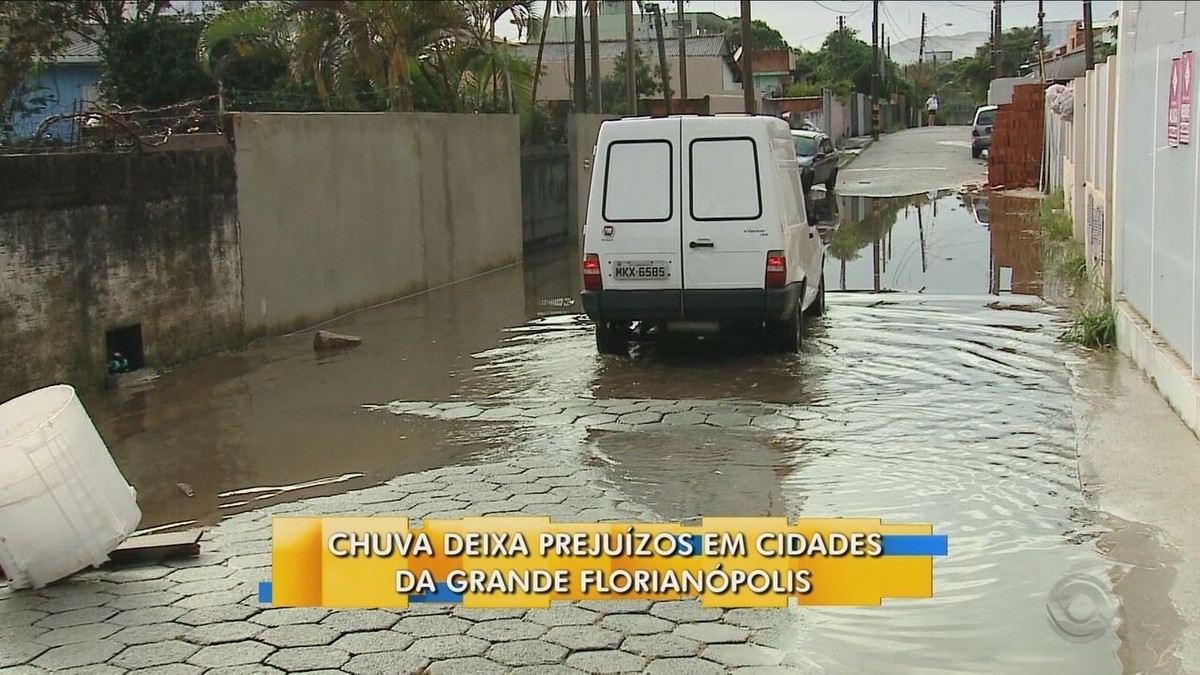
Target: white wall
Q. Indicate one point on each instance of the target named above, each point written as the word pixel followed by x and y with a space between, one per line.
pixel 1155 187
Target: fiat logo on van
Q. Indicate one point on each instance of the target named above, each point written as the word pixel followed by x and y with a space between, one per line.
pixel 608 230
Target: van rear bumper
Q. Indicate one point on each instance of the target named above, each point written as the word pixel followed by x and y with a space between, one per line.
pixel 697 305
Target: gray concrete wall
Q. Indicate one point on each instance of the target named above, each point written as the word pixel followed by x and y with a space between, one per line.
pixel 545 195
pixel 582 131
pixel 96 242
pixel 342 210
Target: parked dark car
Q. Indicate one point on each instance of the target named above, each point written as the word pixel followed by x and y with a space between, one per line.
pixel 817 157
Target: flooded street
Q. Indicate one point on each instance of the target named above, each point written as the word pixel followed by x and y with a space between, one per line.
pixel 934 390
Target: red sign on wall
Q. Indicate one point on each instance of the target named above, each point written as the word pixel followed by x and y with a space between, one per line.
pixel 1173 95
pixel 1185 99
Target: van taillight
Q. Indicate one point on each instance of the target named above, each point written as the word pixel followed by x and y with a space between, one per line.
pixel 592 281
pixel 776 269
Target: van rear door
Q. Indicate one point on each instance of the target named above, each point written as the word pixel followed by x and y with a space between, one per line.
pixel 725 232
pixel 635 226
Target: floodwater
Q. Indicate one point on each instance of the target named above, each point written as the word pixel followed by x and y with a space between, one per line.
pixel 934 390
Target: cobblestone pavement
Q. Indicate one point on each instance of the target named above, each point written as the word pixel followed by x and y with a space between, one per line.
pixel 202 615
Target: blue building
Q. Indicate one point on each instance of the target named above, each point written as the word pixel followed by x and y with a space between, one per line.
pixel 67 81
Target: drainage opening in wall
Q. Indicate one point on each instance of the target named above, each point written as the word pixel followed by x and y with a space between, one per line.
pixel 124 350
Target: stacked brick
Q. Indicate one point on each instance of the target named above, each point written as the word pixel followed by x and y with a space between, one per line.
pixel 1015 157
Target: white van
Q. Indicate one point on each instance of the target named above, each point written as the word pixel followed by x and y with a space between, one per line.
pixel 699 220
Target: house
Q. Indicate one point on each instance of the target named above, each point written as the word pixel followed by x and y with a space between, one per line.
pixel 1067 59
pixel 772 71
pixel 711 70
pixel 68 81
pixel 611 24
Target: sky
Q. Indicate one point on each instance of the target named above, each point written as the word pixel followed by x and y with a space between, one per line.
pixel 805 23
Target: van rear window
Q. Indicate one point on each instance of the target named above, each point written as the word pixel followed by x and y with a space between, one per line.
pixel 725 179
pixel 638 179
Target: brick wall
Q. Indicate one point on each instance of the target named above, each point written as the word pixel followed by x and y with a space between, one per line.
pixel 95 242
pixel 1015 157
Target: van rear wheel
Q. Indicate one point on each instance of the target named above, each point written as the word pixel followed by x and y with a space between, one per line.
pixel 817 308
pixel 612 338
pixel 788 335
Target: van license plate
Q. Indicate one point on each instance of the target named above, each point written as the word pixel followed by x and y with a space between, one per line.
pixel 641 270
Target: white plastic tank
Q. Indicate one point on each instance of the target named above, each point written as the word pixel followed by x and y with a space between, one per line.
pixel 64 505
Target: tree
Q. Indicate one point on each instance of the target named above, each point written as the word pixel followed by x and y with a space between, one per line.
pixel 30 33
pixel 152 63
pixel 647 81
pixel 762 36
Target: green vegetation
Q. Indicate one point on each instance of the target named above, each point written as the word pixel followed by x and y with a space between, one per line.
pixel 1094 322
pixel 843 65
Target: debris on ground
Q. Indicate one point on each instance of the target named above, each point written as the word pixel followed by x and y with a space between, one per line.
pixel 327 340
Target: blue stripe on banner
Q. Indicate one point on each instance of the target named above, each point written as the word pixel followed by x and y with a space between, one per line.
pixel 264 592
pixel 688 539
pixel 915 544
pixel 442 596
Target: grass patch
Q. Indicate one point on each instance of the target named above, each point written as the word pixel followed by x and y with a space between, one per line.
pixel 1094 328
pixel 1053 219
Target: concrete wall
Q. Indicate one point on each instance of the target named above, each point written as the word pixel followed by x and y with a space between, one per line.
pixel 339 211
pixel 1156 217
pixel 95 242
pixel 545 195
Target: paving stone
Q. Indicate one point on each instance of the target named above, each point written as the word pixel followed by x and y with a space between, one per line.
pixel 562 614
pixel 21 652
pixel 244 669
pixel 210 585
pixel 767 670
pixel 475 665
pixel 80 600
pixel 538 499
pixel 220 633
pixel 23 633
pixel 79 654
pixel 636 624
pixel 73 617
pixel 210 572
pixel 87 632
pixel 527 652
pixel 640 418
pixel 78 583
pixel 119 576
pixel 579 638
pixel 386 663
pixel 29 617
pixel 207 615
pixel 734 655
pixel 606 661
pixel 546 670
pixel 302 635
pixel 143 600
pixel 354 620
pixel 685 611
pixel 296 659
pixel 755 617
pixel 155 654
pixel 712 632
pixel 154 632
pixel 169 669
pixel 433 626
pixel 139 587
pixel 148 615
pixel 617 606
pixel 683 419
pixel 373 641
pixel 596 419
pixel 686 666
pixel 449 647
pixel 784 637
pixel 286 616
pixel 660 646
pixel 24 670
pixel 486 613
pixel 97 669
pixel 503 630
pixel 728 419
pixel 214 599
pixel 774 422
pixel 246 652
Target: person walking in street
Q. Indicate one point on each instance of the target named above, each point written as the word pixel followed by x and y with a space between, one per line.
pixel 931 109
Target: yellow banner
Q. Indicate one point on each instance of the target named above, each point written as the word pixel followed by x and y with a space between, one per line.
pixel 505 562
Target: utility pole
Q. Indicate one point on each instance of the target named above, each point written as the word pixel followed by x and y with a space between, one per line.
pixel 580 61
pixel 841 41
pixel 1041 37
pixel 656 10
pixel 581 64
pixel 747 61
pixel 630 56
pixel 1089 45
pixel 997 31
pixel 594 25
pixel 875 71
pixel 682 53
pixel 920 67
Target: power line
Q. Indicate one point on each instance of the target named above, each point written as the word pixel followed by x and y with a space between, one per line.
pixel 838 11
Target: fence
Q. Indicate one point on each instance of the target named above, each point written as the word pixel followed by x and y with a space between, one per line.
pixel 545 196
